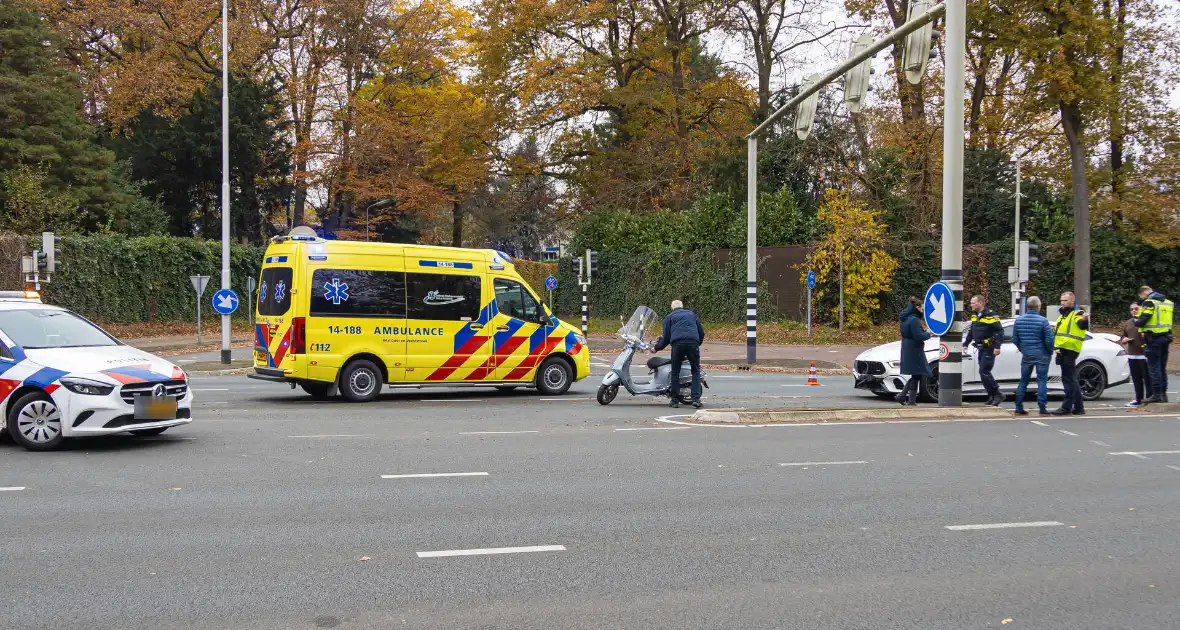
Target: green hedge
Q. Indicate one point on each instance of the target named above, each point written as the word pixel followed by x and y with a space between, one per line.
pixel 120 279
pixel 1119 266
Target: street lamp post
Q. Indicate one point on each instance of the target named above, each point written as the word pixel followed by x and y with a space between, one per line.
pixel 378 205
pixel 225 284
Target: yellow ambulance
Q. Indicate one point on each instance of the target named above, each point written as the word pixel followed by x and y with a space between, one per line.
pixel 341 317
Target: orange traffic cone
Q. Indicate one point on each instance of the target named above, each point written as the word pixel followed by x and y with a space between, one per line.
pixel 811 379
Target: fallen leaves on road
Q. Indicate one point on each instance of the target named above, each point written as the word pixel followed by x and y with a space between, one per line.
pixel 365 559
pixel 176 489
pixel 1006 621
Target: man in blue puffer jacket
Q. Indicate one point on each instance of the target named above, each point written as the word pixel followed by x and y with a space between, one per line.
pixel 1033 336
pixel 683 331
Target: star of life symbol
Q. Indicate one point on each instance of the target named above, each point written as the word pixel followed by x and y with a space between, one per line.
pixel 281 289
pixel 335 291
pixel 262 289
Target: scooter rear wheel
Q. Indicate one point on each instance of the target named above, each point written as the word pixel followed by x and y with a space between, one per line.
pixel 607 393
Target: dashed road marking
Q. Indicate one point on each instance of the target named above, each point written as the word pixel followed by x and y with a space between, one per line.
pixel 424 475
pixel 12 489
pixel 959 528
pixel 495 432
pixel 1142 454
pixel 333 435
pixel 824 463
pixel 489 551
pixel 1100 443
pixel 1038 423
pixel 1067 432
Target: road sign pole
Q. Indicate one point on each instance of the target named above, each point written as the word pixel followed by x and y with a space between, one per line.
pixel 198 320
pixel 251 285
pixel 225 321
pixel 808 311
pixel 950 370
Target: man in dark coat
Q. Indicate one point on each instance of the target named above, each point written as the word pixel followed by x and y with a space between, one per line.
pixel 913 351
pixel 683 331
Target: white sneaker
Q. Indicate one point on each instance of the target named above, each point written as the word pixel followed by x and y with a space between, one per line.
pixel 1133 403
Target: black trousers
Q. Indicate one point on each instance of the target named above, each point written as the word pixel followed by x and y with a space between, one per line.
pixel 987 361
pixel 1141 376
pixel 1069 381
pixel 1156 351
pixel 910 390
pixel 691 352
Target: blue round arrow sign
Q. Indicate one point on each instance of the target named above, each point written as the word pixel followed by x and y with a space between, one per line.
pixel 551 283
pixel 810 279
pixel 225 302
pixel 939 308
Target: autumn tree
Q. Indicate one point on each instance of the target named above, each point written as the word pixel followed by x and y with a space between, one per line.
pixel 852 250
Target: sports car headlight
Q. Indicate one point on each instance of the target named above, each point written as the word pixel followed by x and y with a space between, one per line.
pixel 87 386
pixel 894 364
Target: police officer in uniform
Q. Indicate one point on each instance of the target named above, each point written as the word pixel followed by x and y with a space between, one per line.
pixel 987 333
pixel 1155 322
pixel 1068 335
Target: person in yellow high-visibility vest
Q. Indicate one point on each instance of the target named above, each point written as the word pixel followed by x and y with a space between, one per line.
pixel 1155 322
pixel 1068 335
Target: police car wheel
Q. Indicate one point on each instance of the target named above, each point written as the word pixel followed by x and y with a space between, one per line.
pixel 360 381
pixel 553 379
pixel 1091 380
pixel 34 422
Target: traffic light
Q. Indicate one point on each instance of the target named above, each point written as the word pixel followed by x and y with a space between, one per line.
pixel 578 268
pixel 805 112
pixel 856 80
pixel 916 52
pixel 593 262
pixel 49 243
pixel 1028 261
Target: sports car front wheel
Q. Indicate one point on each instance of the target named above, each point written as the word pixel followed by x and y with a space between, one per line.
pixel 1091 380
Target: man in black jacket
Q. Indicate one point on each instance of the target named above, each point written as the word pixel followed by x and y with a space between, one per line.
pixel 987 333
pixel 683 331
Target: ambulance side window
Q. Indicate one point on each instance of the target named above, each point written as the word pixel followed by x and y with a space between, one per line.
pixel 515 301
pixel 358 293
pixel 443 297
pixel 274 291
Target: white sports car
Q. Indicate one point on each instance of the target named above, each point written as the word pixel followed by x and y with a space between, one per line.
pixel 1102 364
pixel 61 376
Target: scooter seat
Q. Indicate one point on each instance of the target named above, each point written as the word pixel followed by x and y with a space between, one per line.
pixel 656 363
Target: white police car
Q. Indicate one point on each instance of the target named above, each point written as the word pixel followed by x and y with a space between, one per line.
pixel 61 376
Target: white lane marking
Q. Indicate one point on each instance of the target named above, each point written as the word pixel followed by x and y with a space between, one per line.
pixel 959 528
pixel 1172 467
pixel 423 475
pixel 489 551
pixel 213 402
pixel 824 463
pixel 12 489
pixel 1140 454
pixel 1100 443
pixel 210 389
pixel 333 435
pixel 1067 432
pixel 1038 423
pixel 453 400
pixel 495 432
pixel 654 429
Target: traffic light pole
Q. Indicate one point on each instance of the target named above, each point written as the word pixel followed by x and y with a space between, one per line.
pixel 950 370
pixel 813 87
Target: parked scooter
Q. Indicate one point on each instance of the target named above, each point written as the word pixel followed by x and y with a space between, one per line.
pixel 633 334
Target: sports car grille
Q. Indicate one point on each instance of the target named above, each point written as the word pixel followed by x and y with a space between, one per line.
pixel 176 388
pixel 870 367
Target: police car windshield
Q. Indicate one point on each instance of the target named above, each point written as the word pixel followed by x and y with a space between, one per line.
pixel 46 328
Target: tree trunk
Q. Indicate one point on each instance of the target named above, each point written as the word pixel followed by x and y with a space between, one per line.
pixel 1118 130
pixel 457 225
pixel 978 92
pixel 1071 122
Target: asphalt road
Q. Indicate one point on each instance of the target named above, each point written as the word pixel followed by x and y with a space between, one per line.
pixel 275 511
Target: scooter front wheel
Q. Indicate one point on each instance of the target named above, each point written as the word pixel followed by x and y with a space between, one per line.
pixel 607 393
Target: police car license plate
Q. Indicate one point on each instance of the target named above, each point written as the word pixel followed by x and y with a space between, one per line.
pixel 152 408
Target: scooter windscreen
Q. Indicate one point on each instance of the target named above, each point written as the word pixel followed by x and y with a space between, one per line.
pixel 640 327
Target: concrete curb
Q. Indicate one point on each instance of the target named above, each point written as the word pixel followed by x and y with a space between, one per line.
pixel 775 370
pixel 815 416
pixel 229 372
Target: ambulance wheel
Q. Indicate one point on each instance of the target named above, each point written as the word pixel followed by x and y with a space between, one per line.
pixel 315 389
pixel 34 422
pixel 554 378
pixel 360 381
